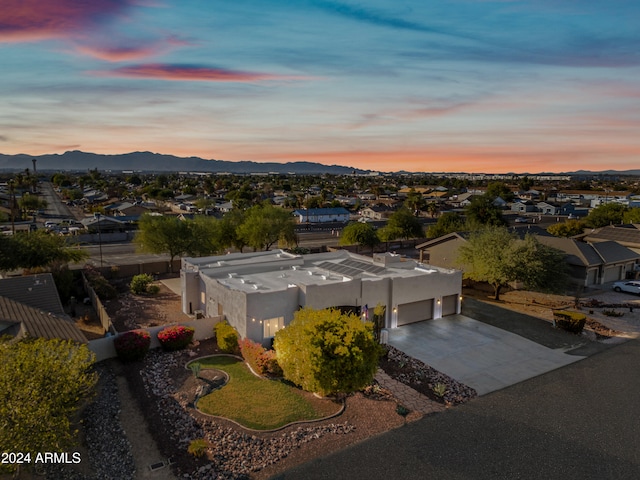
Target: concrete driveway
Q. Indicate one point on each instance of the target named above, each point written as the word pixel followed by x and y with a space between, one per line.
pixel 479 355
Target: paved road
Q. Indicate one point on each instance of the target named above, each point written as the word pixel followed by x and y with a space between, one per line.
pixel 577 422
pixel 55 207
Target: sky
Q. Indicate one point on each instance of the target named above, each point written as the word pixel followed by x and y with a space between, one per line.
pixel 522 86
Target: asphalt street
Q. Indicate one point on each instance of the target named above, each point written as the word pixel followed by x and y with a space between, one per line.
pixel 581 421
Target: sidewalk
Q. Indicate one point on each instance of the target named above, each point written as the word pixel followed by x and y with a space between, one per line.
pixel 407 396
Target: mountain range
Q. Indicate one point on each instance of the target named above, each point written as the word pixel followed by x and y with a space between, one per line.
pixel 155 162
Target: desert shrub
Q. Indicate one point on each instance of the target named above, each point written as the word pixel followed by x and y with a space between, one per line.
pixel 100 285
pixel 153 289
pixel 176 337
pixel 132 345
pixel 140 283
pixel 326 351
pixel 261 360
pixel 570 321
pixel 197 447
pixel 226 337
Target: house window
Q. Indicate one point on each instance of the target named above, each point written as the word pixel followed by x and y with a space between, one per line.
pixel 271 325
pixel 202 298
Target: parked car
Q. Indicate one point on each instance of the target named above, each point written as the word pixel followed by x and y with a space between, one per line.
pixel 523 220
pixel 632 286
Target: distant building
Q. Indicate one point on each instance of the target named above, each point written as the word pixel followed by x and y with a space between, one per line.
pixel 321 215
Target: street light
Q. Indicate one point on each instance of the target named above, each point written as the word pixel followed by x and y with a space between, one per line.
pixel 98 215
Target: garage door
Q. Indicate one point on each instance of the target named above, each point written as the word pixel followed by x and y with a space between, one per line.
pixel 449 305
pixel 612 274
pixel 415 312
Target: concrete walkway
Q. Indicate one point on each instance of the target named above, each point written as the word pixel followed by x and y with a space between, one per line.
pixel 407 396
pixel 481 356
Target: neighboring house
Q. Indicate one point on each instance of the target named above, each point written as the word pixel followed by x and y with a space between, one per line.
pixel 224 207
pixel 377 212
pixel 593 264
pixel 461 200
pixel 546 208
pixel 30 306
pixel 126 209
pixel 590 264
pixel 626 235
pixel 103 224
pixel 184 198
pixel 321 215
pixel 258 293
pixel 529 195
pixel 523 206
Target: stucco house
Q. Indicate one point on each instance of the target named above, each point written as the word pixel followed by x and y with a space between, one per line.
pixel 258 293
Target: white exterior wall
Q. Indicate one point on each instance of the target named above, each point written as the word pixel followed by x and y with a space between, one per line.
pixel 233 302
pixel 261 306
pixel 407 290
pixel 333 294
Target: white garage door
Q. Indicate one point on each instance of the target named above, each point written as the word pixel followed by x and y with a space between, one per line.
pixel 415 312
pixel 449 305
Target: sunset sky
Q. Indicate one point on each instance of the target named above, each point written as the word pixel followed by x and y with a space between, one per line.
pixel 437 86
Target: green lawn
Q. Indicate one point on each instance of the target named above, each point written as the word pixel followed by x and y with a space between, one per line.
pixel 259 403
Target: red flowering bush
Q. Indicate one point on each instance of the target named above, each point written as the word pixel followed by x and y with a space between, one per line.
pixel 261 360
pixel 132 345
pixel 176 337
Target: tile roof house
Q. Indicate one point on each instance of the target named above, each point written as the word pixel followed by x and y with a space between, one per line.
pixel 30 305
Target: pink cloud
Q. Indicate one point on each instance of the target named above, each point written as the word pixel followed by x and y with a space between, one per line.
pixel 191 73
pixel 28 20
pixel 104 49
pixel 118 54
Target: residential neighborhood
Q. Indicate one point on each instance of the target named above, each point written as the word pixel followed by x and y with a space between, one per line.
pixel 249 253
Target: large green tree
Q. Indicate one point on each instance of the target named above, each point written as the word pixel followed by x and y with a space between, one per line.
pixel 264 225
pixel 499 189
pixel 175 237
pixel 566 229
pixel 632 215
pixel 36 250
pixel 448 222
pixel 163 235
pixel 499 257
pixel 327 352
pixel 31 203
pixel 357 233
pixel 606 214
pixel 405 223
pixel 482 212
pixel 42 384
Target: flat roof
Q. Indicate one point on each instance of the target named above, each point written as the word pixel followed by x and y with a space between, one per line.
pixel 278 270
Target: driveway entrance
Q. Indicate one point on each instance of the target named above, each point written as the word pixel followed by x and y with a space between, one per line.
pixel 481 356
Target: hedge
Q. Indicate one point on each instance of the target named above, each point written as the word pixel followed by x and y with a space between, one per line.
pixel 132 345
pixel 176 337
pixel 226 337
pixel 261 360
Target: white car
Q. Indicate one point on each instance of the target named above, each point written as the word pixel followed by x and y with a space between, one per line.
pixel 632 286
